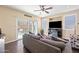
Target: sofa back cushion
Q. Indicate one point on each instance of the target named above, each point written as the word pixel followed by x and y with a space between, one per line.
pixel 35 36
pixel 60 45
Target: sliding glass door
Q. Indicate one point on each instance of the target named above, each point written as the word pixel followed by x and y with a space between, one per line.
pixel 23 26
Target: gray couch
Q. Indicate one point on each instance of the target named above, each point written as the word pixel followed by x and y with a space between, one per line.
pixel 35 45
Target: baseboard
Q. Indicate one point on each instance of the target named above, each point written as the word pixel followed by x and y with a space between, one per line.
pixel 10 41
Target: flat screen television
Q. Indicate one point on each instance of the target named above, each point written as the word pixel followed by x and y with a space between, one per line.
pixel 55 24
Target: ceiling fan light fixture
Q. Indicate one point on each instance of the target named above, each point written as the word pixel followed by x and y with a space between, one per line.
pixel 44 9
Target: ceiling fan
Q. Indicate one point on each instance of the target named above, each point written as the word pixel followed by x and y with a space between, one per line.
pixel 44 8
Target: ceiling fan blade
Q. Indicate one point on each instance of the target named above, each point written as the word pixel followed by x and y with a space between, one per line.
pixel 48 8
pixel 41 6
pixel 47 12
pixel 37 10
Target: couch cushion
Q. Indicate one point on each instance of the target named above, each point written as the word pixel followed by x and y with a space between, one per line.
pixel 59 39
pixel 60 45
pixel 35 36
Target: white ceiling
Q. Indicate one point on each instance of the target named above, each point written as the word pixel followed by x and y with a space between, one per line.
pixel 56 9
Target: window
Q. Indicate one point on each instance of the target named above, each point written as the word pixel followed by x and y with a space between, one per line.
pixel 44 24
pixel 35 26
pixel 70 22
